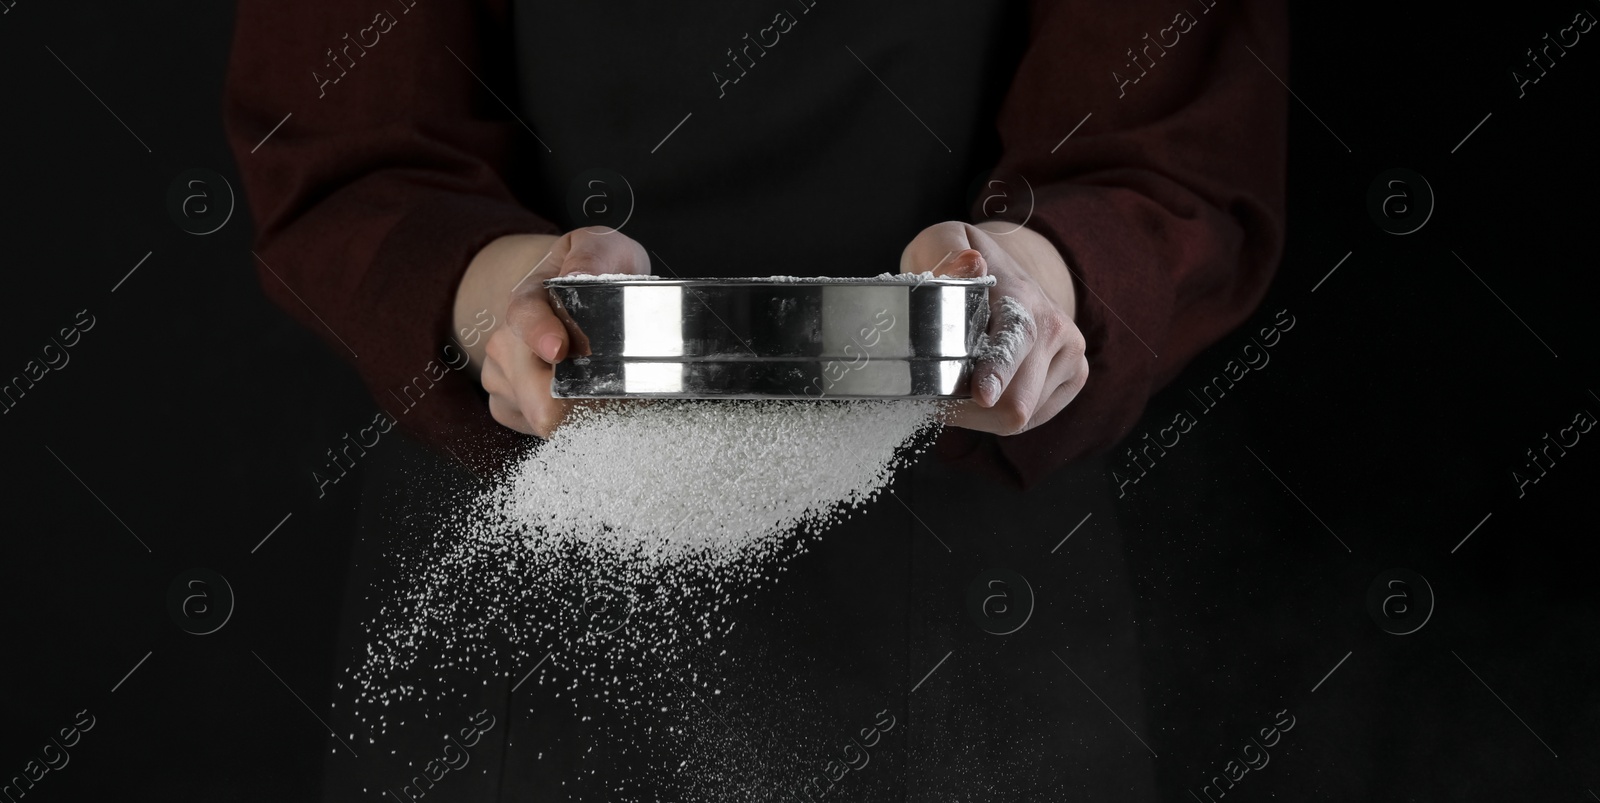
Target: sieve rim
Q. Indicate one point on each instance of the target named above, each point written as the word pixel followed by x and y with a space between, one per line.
pixel 828 281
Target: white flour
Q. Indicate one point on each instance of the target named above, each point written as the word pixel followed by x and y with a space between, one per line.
pixel 617 542
pixel 591 278
pixel 703 484
pixel 899 278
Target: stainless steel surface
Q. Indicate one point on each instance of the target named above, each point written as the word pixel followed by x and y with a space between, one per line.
pixel 760 338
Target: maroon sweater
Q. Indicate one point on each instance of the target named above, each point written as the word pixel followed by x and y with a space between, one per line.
pixel 1166 200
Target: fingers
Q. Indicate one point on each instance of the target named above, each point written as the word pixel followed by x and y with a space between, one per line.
pixel 493 378
pixel 505 412
pixel 529 315
pixel 593 250
pixel 520 359
pixel 534 322
pixel 1011 346
pixel 1027 403
pixel 1021 395
pixel 1064 392
pixel 518 384
pixel 1007 384
pixel 1048 369
pixel 501 354
pixel 1010 410
pixel 543 412
pixel 1035 364
pixel 1069 370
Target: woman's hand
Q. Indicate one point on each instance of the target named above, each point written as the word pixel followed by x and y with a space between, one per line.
pixel 1046 366
pixel 517 360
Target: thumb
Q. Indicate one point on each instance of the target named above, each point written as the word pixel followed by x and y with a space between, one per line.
pixel 947 250
pixel 964 264
pixel 535 323
pixel 593 250
pixel 530 315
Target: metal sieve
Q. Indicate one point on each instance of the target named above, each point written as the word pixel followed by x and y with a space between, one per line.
pixel 879 338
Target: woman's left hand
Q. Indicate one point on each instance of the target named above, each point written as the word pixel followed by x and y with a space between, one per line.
pixel 1036 363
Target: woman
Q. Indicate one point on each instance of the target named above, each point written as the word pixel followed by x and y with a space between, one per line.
pixel 1125 169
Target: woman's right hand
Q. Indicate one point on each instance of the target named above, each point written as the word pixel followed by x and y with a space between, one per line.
pixel 517 359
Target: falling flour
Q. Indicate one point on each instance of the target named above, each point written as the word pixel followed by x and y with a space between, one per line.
pixel 618 542
pixel 703 485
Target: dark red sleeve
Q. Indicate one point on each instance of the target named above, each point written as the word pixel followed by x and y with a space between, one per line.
pixel 1167 202
pixel 373 196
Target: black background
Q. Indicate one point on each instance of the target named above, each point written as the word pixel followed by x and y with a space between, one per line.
pixel 1396 410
